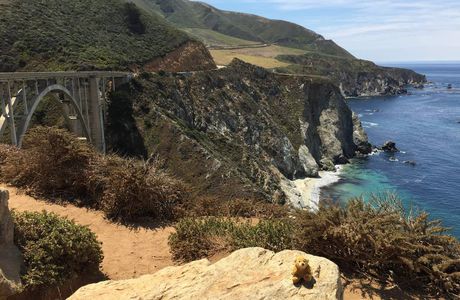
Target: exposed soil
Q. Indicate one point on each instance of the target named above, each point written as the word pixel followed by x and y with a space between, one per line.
pixel 128 253
pixel 192 56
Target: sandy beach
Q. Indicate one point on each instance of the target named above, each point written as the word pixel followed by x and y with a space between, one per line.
pixel 305 193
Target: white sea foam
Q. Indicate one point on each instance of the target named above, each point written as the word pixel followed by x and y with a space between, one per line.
pixel 369 124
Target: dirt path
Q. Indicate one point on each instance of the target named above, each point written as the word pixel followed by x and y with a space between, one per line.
pixel 128 253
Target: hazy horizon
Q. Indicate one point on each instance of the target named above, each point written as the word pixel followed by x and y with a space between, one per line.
pixel 381 30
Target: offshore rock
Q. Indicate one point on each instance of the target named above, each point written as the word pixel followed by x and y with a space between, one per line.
pixel 252 273
pixel 389 146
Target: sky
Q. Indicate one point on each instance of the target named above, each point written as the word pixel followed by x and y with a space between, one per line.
pixel 379 30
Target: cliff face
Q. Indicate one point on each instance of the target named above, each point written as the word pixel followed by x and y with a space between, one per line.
pixel 192 56
pixel 238 131
pixel 355 77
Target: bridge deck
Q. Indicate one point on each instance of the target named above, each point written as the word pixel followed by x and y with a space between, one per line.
pixel 71 74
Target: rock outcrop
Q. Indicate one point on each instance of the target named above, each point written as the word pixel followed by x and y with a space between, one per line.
pixel 389 146
pixel 360 137
pixel 239 131
pixel 252 273
pixel 191 56
pixel 355 77
pixel 10 257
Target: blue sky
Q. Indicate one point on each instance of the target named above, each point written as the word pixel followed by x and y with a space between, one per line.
pixel 380 30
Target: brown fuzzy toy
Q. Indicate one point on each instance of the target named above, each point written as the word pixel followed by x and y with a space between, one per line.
pixel 301 270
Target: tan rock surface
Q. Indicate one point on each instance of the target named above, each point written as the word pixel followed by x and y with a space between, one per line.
pixel 252 273
pixel 10 257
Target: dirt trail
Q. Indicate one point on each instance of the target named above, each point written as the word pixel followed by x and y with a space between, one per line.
pixel 128 253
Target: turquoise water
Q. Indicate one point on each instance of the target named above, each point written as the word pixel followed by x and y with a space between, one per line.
pixel 426 128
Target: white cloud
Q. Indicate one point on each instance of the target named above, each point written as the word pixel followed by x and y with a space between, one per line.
pixel 387 30
pixel 376 29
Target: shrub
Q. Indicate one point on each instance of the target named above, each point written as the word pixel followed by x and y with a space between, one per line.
pixel 202 237
pixel 380 239
pixel 198 238
pixel 244 208
pixel 133 18
pixel 54 249
pixel 128 189
pixel 56 165
pixel 275 235
pixel 52 163
pixel 5 152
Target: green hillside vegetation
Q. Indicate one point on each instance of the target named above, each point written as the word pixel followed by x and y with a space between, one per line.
pixel 82 35
pixel 196 16
pixel 215 39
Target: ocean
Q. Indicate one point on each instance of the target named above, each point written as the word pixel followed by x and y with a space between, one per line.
pixel 425 124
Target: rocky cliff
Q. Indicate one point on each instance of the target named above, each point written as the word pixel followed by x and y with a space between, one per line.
pixel 235 132
pixel 355 77
pixel 10 257
pixel 191 56
pixel 252 273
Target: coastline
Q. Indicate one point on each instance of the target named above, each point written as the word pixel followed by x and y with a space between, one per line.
pixel 305 193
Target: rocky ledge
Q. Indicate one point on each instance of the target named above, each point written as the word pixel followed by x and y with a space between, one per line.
pixel 252 273
pixel 10 257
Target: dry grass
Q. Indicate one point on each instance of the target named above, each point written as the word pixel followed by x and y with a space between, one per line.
pixel 384 241
pixel 261 56
pixel 57 166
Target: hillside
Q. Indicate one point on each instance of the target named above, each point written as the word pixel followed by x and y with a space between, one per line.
pixel 195 17
pixel 238 132
pixel 84 35
pixel 355 77
pixel 279 45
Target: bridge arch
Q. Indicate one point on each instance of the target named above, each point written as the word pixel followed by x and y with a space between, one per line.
pixel 48 90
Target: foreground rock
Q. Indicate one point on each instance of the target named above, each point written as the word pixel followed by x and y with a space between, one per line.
pixel 10 257
pixel 252 273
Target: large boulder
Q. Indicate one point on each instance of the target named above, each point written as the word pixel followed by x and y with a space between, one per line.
pixel 308 162
pixel 10 257
pixel 252 273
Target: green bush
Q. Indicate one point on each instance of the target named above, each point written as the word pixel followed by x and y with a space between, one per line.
pixel 54 249
pixel 198 238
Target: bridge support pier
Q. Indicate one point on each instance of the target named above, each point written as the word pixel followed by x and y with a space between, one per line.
pixel 96 121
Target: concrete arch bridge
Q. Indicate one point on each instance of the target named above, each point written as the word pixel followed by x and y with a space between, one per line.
pixel 83 96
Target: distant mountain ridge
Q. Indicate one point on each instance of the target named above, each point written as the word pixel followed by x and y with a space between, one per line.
pixel 198 15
